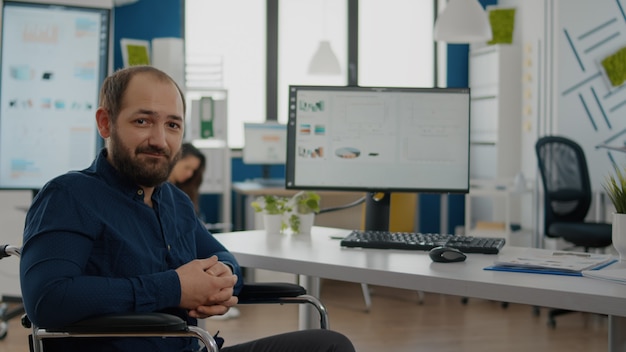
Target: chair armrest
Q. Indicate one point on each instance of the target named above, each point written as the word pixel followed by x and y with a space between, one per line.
pixel 268 292
pixel 126 323
pixel 281 293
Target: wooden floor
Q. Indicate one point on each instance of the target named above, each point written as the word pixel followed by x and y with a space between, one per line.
pixel 397 322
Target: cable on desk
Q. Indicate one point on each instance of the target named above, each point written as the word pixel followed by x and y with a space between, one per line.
pixel 345 206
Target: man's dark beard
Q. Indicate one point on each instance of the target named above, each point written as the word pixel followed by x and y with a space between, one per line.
pixel 147 174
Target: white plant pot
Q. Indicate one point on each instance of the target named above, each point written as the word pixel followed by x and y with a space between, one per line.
pixel 273 223
pixel 619 235
pixel 306 223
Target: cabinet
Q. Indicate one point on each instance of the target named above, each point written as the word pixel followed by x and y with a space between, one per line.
pixel 495 80
pixel 208 132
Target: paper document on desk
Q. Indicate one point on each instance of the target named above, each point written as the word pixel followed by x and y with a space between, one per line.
pixel 614 273
pixel 553 262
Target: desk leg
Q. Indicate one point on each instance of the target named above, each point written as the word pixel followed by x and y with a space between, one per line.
pixel 443 211
pixel 239 211
pixel 617 333
pixel 308 316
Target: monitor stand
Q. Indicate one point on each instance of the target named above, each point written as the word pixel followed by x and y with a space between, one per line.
pixel 377 206
pixel 265 171
pixel 268 181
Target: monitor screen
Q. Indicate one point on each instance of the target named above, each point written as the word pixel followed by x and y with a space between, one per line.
pixel 264 143
pixel 378 139
pixel 53 61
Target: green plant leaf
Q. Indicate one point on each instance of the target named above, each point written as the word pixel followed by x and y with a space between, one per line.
pixel 294 223
pixel 615 187
pixel 306 202
pixel 271 204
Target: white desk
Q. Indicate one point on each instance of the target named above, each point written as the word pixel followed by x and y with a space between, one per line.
pixel 318 256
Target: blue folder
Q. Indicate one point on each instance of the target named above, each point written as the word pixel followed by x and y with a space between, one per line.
pixel 517 269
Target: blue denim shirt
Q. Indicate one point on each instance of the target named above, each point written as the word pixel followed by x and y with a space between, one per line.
pixel 92 246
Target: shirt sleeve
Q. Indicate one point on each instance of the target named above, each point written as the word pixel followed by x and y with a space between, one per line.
pixel 56 292
pixel 55 288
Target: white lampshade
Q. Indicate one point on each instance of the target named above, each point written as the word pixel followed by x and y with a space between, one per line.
pixel 324 61
pixel 463 21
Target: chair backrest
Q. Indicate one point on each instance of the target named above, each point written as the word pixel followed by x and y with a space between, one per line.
pixel 565 178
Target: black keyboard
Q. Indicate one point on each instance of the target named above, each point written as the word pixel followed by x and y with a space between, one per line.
pixel 421 241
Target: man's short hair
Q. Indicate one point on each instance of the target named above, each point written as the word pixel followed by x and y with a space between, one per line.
pixel 115 85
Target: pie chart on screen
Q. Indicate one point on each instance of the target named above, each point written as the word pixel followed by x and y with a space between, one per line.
pixel 348 153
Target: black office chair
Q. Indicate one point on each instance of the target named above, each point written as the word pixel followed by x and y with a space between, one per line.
pixel 567 197
pixel 166 325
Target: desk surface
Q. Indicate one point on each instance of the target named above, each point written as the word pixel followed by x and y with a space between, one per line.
pixel 319 255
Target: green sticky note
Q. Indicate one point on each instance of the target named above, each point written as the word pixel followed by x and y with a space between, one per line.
pixel 615 67
pixel 502 25
pixel 138 55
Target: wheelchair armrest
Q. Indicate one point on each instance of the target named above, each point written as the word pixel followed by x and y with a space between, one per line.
pixel 281 293
pixel 268 292
pixel 126 323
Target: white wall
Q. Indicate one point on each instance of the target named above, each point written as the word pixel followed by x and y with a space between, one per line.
pixel 564 91
pixel 588 108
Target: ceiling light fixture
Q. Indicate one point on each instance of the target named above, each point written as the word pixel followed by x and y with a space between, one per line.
pixel 463 22
pixel 324 61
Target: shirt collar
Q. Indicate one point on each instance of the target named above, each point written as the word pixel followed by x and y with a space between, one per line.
pixel 114 178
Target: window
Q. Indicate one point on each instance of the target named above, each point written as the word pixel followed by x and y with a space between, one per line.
pixel 396 43
pixel 228 39
pixel 225 49
pixel 302 25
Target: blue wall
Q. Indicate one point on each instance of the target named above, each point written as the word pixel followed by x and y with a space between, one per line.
pixel 146 20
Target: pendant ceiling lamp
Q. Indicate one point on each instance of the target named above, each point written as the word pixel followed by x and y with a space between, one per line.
pixel 462 22
pixel 324 61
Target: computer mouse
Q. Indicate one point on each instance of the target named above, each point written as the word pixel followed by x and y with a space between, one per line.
pixel 446 255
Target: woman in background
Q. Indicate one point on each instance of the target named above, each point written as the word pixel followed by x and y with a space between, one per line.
pixel 188 173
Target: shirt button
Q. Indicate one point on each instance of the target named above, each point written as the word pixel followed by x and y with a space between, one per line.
pixel 169 248
pixel 140 192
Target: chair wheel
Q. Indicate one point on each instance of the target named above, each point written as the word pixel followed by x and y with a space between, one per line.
pixel 464 300
pixel 504 305
pixel 26 322
pixel 4 330
pixel 552 323
pixel 536 311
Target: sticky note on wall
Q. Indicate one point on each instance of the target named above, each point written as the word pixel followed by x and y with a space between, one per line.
pixel 502 25
pixel 614 66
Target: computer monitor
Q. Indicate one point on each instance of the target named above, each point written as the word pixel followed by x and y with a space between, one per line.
pixel 378 139
pixel 264 143
pixel 54 59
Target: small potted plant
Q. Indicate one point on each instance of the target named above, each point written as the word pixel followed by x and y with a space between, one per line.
pixel 304 205
pixel 615 187
pixel 274 209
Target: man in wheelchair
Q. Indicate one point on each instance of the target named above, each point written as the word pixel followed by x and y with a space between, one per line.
pixel 116 237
